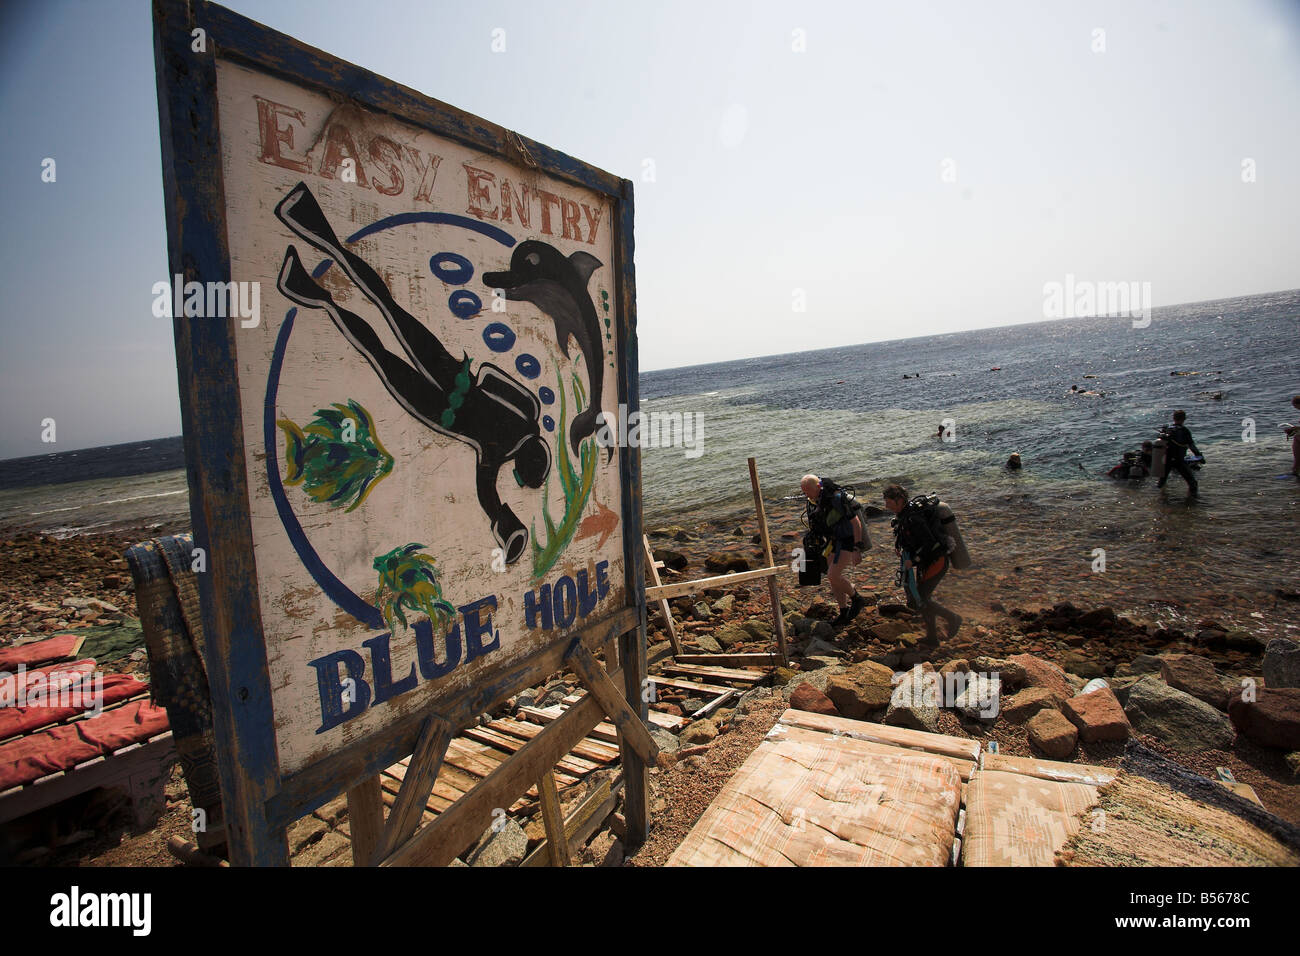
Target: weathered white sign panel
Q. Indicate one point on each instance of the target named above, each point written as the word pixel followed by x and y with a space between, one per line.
pixel 420 402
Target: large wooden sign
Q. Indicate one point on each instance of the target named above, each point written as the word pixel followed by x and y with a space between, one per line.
pixel 393 415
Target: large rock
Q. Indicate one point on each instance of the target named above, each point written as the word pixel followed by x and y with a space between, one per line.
pixel 730 636
pixel 980 699
pixel 699 732
pixel 707 644
pixel 1012 675
pixel 1028 702
pixel 505 847
pixel 1098 716
pixel 1098 619
pixel 889 630
pixel 673 560
pixel 726 561
pixel 915 701
pixel 668 742
pixel 1196 676
pixel 759 630
pixel 1041 673
pixel 861 689
pixel 1174 717
pixel 809 698
pixel 819 648
pixel 1142 664
pixel 1282 663
pixel 723 604
pixel 1272 719
pixel 1052 734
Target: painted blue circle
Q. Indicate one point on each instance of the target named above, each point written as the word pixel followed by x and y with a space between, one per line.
pixel 499 337
pixel 451 268
pixel 546 395
pixel 548 423
pixel 465 304
pixel 528 366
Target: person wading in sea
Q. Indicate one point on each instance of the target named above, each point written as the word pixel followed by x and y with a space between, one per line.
pixel 834 515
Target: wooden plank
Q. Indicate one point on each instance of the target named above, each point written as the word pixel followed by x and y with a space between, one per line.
pixel 589 748
pixel 553 820
pixel 440 841
pixel 366 820
pixel 942 744
pixel 588 815
pixel 661 720
pixel 1049 769
pixel 616 707
pixel 714 704
pixel 667 611
pixel 778 617
pixel 709 690
pixel 417 784
pixel 730 660
pixel 577 766
pixel 679 588
pixel 440 797
pixel 717 673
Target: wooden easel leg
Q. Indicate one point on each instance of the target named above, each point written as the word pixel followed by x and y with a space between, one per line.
pixel 365 820
pixel 636 789
pixel 631 726
pixel 553 819
pixel 778 618
pixel 416 784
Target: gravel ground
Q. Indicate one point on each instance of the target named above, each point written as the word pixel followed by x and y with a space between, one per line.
pixel 680 795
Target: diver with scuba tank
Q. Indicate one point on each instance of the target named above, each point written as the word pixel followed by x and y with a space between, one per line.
pixel 1177 441
pixel 837 536
pixel 925 554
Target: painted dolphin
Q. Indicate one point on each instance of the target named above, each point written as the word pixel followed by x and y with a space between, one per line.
pixel 557 284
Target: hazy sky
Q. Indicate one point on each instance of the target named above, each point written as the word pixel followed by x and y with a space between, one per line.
pixel 773 170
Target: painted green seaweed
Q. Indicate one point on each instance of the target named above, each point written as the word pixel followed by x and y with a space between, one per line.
pixel 332 467
pixel 576 487
pixel 411 582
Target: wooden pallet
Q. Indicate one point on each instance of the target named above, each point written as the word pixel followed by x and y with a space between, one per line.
pixel 477 751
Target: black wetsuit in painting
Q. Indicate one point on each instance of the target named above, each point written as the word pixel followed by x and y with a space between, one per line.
pixel 1178 439
pixel 489 411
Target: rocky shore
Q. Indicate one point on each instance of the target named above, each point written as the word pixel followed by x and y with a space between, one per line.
pixel 1212 693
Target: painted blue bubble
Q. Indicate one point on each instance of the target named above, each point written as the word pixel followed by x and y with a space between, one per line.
pixel 499 337
pixel 528 366
pixel 548 422
pixel 546 395
pixel 465 304
pixel 451 268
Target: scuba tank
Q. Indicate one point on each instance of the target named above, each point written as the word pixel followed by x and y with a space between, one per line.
pixel 1158 452
pixel 942 525
pixel 958 556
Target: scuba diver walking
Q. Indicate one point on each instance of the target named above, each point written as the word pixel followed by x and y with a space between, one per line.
pixel 1178 439
pixel 835 528
pixel 923 555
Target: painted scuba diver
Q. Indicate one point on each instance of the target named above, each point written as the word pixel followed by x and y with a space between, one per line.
pixel 493 414
pixel 557 284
